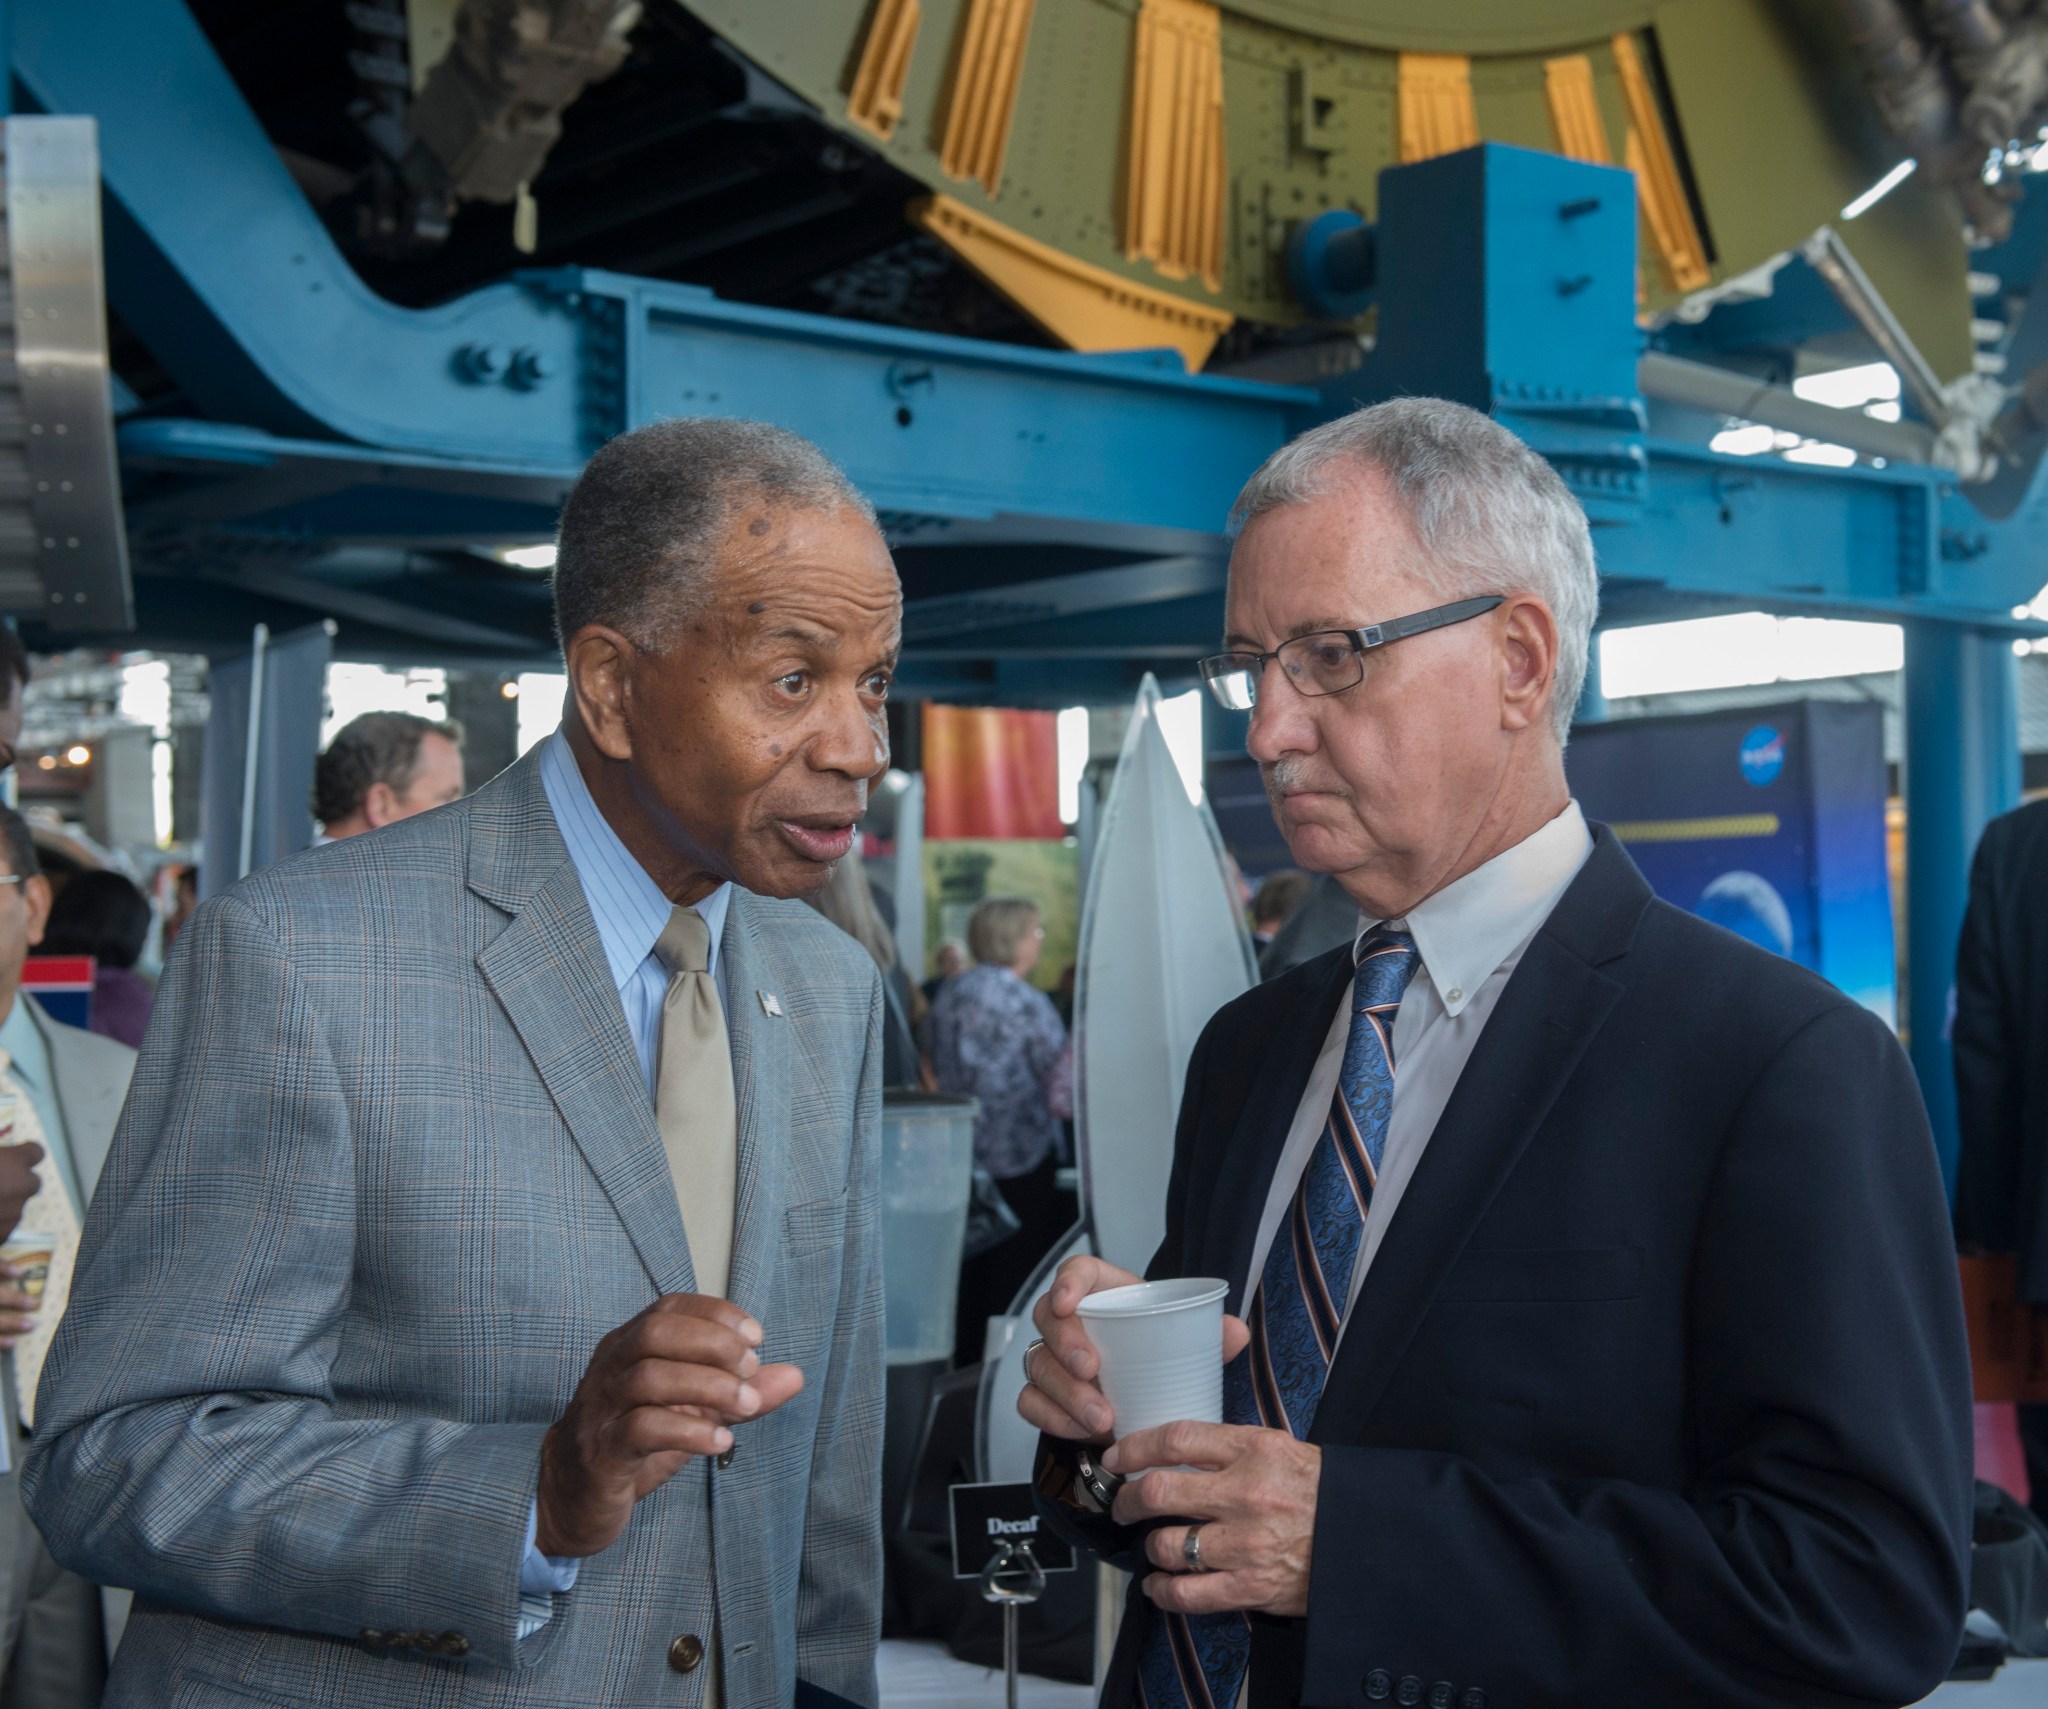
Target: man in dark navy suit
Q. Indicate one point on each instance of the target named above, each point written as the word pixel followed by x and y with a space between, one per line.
pixel 1606 1355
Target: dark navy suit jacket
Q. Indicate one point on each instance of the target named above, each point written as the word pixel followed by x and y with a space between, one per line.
pixel 1656 1392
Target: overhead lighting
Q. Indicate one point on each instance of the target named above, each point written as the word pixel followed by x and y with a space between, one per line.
pixel 541 557
pixel 47 763
pixel 510 690
pixel 1881 189
pixel 77 756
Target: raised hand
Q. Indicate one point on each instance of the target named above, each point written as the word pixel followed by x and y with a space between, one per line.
pixel 660 1388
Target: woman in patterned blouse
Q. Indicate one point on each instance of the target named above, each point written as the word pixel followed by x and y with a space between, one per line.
pixel 998 1039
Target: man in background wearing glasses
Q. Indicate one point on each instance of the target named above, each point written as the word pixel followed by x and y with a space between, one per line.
pixel 1609 1355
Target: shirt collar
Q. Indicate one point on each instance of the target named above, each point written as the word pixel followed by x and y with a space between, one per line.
pixel 1468 929
pixel 628 907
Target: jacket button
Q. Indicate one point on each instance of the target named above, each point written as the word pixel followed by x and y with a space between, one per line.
pixel 1379 1685
pixel 1474 1698
pixel 725 1459
pixel 1409 1691
pixel 453 1644
pixel 1442 1695
pixel 685 1653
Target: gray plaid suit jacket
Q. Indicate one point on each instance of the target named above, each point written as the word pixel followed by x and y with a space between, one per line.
pixel 388 1172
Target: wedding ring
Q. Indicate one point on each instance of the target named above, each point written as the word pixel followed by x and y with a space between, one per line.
pixel 1033 1348
pixel 1191 1549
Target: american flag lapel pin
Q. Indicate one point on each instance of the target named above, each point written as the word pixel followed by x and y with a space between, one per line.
pixel 771 1005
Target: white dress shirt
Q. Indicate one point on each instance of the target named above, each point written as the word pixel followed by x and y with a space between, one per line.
pixel 1471 936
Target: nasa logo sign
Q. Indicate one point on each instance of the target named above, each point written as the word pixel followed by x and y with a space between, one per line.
pixel 1762 755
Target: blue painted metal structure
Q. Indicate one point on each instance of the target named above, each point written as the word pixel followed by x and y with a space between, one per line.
pixel 1058 516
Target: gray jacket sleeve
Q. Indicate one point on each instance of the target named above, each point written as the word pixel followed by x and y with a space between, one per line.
pixel 839 1592
pixel 189 1442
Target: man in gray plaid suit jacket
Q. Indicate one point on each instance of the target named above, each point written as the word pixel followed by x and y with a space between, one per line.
pixel 387 1378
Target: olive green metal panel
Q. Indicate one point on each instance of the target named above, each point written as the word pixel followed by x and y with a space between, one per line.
pixel 1063 172
pixel 1763 110
pixel 1451 26
pixel 1275 182
pixel 1753 103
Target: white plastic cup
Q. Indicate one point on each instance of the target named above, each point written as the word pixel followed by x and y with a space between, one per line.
pixel 1161 1345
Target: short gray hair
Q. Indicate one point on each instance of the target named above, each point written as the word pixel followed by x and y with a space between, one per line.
pixel 1492 515
pixel 635 545
pixel 997 927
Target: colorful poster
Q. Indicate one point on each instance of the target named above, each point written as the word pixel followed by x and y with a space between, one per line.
pixel 991 772
pixel 1768 821
pixel 963 872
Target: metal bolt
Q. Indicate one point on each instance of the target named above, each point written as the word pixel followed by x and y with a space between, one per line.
pixel 480 364
pixel 530 369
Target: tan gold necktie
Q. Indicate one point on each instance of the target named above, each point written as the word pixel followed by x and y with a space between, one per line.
pixel 694 1104
pixel 50 1213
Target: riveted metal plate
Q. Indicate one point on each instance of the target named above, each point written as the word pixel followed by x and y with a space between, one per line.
pixel 63 546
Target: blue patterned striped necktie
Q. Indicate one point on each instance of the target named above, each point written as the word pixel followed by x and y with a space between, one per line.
pixel 1198 1661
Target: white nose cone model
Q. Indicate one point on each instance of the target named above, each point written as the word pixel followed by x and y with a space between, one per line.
pixel 1163 947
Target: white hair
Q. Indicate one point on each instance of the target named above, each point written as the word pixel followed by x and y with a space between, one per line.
pixel 1492 515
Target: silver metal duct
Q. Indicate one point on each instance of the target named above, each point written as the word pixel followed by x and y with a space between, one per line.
pixel 1718 391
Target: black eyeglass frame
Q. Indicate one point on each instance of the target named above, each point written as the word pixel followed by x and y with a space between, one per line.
pixel 1363 641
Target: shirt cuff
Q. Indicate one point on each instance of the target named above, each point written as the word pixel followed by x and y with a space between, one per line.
pixel 544 1575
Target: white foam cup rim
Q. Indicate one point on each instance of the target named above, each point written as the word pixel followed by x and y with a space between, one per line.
pixel 1150 1299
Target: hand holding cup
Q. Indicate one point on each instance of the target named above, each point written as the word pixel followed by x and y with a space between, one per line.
pixel 1065 1397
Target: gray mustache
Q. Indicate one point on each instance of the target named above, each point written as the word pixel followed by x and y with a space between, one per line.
pixel 1284 775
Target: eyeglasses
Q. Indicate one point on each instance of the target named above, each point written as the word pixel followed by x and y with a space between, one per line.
pixel 1330 660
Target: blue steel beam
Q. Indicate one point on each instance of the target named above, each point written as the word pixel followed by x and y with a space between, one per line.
pixel 1500 267
pixel 225 271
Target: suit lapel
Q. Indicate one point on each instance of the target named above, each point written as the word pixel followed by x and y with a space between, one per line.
pixel 1555 1002
pixel 548 971
pixel 89 1103
pixel 1246 1174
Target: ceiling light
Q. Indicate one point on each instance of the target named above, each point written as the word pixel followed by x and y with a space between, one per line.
pixel 510 690
pixel 541 557
pixel 77 756
pixel 1881 189
pixel 47 763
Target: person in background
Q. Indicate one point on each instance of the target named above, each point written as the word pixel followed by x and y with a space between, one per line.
pixel 384 767
pixel 1324 918
pixel 1278 895
pixel 14 686
pixel 18 1179
pixel 60 1096
pixel 848 901
pixel 184 898
pixel 998 1039
pixel 2000 1044
pixel 102 915
pixel 949 959
pixel 1064 992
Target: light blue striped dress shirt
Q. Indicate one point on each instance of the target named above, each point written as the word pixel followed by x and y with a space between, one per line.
pixel 631 913
pixel 628 906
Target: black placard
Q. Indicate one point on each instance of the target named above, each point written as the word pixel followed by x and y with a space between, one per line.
pixel 987 1515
